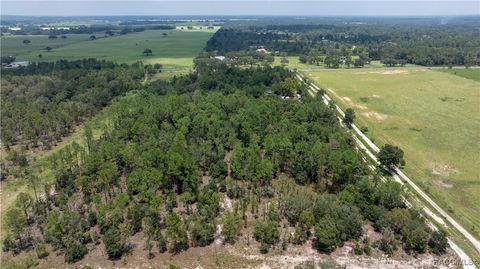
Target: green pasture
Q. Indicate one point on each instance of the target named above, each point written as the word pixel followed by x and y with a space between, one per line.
pixel 471 73
pixel 433 116
pixel 175 50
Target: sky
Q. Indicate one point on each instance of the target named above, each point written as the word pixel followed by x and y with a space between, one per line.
pixel 242 7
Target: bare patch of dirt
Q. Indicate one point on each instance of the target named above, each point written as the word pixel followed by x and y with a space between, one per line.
pixel 392 72
pixel 374 116
pixel 244 254
pixel 441 172
pixel 353 104
pixel 444 184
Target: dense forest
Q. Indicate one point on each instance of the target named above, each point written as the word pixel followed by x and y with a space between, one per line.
pixel 393 43
pixel 43 102
pixel 177 152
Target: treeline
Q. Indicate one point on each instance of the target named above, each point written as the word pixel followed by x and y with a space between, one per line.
pixel 179 151
pixel 87 29
pixel 423 44
pixel 44 101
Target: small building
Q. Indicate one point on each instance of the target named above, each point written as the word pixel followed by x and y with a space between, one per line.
pixel 17 64
pixel 220 57
pixel 262 50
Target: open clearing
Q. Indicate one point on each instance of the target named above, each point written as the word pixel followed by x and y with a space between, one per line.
pixel 174 51
pixel 434 116
pixel 471 73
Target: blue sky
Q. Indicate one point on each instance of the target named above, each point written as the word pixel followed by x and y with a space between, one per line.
pixel 245 7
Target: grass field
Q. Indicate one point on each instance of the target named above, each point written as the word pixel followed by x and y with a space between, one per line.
pixel 433 116
pixel 176 50
pixel 471 73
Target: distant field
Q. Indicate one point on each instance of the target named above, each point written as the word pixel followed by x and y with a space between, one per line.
pixel 434 116
pixel 176 50
pixel 471 73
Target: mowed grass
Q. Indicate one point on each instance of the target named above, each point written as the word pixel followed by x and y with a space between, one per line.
pixel 471 73
pixel 433 116
pixel 176 50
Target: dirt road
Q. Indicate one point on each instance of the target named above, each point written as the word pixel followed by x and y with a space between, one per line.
pixel 399 176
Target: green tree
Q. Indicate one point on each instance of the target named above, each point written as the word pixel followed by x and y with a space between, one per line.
pixel 202 230
pixel 388 243
pixel 326 234
pixel 176 232
pixel 391 155
pixel 358 63
pixel 438 242
pixel 15 222
pixel 114 243
pixel 389 194
pixel 232 225
pixel 415 237
pixel 147 52
pixel 266 232
pixel 148 226
pixel 349 117
pixel 75 251
pixel 289 87
pixel 25 202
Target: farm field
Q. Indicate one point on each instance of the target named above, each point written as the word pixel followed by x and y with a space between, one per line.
pixel 433 116
pixel 176 50
pixel 471 73
pixel 13 45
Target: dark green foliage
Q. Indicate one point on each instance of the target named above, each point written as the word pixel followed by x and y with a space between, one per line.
pixel 176 233
pixel 388 243
pixel 202 230
pixel 326 234
pixel 41 250
pixel 389 195
pixel 75 251
pixel 349 117
pixel 266 232
pixel 43 102
pixel 415 237
pixel 264 248
pixel 147 52
pixel 15 222
pixel 161 242
pixel 391 155
pixel 438 242
pixel 114 243
pixel 64 227
pixel 232 224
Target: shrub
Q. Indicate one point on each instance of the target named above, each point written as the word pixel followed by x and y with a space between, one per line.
pixel 41 251
pixel 264 248
pixel 114 245
pixel 74 252
pixel 438 242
